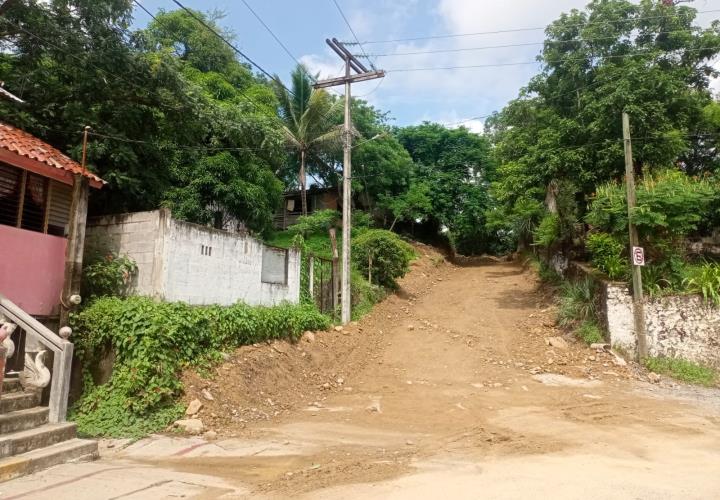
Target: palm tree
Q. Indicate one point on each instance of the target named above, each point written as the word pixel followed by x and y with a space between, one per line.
pixel 307 122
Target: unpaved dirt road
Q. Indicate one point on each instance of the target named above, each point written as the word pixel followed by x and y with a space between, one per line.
pixel 447 390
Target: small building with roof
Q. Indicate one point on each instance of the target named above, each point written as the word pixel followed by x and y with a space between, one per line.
pixel 43 208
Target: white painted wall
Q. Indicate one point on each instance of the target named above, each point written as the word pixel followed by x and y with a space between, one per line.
pixel 229 272
pixel 678 326
pixel 179 261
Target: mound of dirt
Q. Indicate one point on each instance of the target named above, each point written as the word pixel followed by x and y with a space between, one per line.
pixel 267 381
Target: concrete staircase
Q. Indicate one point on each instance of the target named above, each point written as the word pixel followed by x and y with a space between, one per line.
pixel 29 443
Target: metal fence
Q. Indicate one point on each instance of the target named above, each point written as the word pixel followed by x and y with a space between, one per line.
pixel 323 283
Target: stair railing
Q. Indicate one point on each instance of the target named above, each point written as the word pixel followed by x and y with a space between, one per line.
pixel 61 348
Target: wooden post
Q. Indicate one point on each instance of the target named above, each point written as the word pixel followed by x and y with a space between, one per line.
pixel 347 202
pixel 363 74
pixel 21 201
pixel 311 276
pixel 335 269
pixel 638 301
pixel 75 245
pixel 370 268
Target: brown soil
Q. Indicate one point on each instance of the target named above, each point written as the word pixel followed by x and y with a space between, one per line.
pixel 448 370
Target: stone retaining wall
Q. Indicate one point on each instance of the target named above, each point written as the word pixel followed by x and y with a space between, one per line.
pixel 676 326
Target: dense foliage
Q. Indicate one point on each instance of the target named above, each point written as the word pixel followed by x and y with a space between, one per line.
pixel 383 255
pixel 647 58
pixel 455 166
pixel 670 207
pixel 107 275
pixel 152 342
pixel 162 103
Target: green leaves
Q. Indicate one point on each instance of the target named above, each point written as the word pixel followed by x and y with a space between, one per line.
pixel 384 254
pixel 607 255
pixel 108 275
pixel 152 342
pixel 705 280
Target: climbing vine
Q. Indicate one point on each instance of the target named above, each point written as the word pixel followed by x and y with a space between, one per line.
pixel 152 342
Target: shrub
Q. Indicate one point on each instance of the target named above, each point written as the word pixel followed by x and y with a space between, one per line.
pixel 390 255
pixel 670 206
pixel 577 302
pixel 705 280
pixel 590 332
pixel 548 231
pixel 361 220
pixel 681 369
pixel 606 255
pixel 316 223
pixel 152 342
pixel 364 294
pixel 108 275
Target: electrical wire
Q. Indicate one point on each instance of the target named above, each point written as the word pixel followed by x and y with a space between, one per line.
pixel 284 47
pixel 522 63
pixel 380 82
pixel 516 30
pixel 372 65
pixel 511 45
pixel 146 10
pixel 233 47
pixel 80 59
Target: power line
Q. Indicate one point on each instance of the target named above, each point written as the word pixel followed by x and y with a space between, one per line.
pixel 173 146
pixel 510 45
pixel 109 73
pixel 521 63
pixel 229 44
pixel 146 11
pixel 83 61
pixel 284 47
pixel 515 30
pixel 372 91
pixel 353 33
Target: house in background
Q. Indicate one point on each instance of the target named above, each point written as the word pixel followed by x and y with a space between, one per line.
pixel 317 199
pixel 37 185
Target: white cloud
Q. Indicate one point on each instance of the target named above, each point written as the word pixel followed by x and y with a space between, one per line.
pixel 323 64
pixel 453 95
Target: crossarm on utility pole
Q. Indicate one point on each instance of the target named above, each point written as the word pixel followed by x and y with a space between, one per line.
pixel 351 64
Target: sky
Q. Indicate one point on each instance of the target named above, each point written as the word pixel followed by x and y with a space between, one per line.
pixel 451 96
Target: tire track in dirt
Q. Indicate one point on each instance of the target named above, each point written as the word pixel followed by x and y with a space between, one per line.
pixel 445 371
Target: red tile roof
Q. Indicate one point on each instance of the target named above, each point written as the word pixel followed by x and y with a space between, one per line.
pixel 23 144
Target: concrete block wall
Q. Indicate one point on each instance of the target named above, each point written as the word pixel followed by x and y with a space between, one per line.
pixel 139 236
pixel 207 266
pixel 179 261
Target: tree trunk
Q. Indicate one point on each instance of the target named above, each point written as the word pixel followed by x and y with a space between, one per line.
pixel 303 192
pixel 393 224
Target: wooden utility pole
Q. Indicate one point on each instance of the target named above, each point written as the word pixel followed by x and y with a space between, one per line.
pixel 638 303
pixel 362 74
pixel 76 239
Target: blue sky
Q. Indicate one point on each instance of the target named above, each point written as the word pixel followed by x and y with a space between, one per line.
pixel 445 96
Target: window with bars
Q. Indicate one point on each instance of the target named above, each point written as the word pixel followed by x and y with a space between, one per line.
pixel 33 202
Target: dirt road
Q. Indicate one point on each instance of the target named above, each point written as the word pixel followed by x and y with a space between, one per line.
pixel 447 390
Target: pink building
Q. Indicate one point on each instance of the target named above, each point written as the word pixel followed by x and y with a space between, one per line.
pixel 36 198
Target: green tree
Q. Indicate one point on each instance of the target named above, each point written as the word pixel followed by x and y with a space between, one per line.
pixel 414 204
pixel 646 58
pixel 223 191
pixel 457 166
pixel 306 113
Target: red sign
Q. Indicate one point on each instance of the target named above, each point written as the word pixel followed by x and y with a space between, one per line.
pixel 638 255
